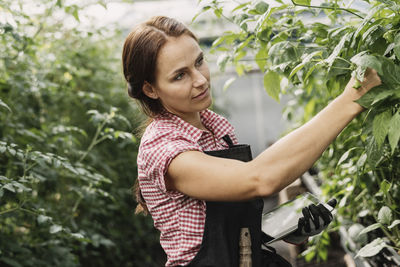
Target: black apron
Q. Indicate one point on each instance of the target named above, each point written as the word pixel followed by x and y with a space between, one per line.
pixel 224 220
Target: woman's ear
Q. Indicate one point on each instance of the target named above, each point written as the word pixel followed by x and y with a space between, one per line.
pixel 149 90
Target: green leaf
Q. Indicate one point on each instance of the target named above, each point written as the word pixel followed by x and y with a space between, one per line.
pixel 218 12
pixel 309 72
pixel 374 153
pixel 272 84
pixel 309 254
pixel 303 2
pixel 382 96
pixel 222 61
pixel 10 262
pixel 372 248
pixel 42 219
pixel 323 253
pixel 345 155
pixel 394 131
pixel 9 187
pixel 361 161
pixel 261 7
pixel 385 186
pixel 369 61
pixel 336 51
pixel 296 69
pixel 390 72
pixel 55 228
pixel 204 9
pixel 366 20
pixel 367 99
pixel 306 59
pixel 261 58
pixel 394 223
pixel 4 105
pixel 77 236
pixel 240 69
pixel 396 47
pixel 241 6
pixel 75 14
pixel 385 215
pixel 369 228
pixel 21 188
pixel 228 83
pixel 380 126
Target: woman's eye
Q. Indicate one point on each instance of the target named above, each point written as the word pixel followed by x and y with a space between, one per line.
pixel 179 76
pixel 199 61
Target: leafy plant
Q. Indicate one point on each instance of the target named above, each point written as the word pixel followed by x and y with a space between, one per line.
pixel 67 143
pixel 309 52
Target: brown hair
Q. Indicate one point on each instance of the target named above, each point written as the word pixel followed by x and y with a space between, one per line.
pixel 139 59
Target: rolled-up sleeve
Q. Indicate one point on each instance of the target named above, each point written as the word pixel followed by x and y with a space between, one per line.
pixel 158 154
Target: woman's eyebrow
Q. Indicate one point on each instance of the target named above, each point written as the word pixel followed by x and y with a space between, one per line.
pixel 201 54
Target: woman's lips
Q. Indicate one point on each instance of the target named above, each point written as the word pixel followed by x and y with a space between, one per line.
pixel 202 94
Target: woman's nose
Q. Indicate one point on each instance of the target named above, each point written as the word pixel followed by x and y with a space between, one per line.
pixel 199 79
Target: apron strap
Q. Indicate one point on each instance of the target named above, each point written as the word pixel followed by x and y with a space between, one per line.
pixel 228 140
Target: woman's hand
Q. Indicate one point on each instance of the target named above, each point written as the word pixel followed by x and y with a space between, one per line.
pixel 350 93
pixel 315 219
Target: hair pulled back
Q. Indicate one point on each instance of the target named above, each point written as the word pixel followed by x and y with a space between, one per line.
pixel 139 57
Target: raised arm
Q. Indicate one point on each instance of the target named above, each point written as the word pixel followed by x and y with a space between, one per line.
pixel 209 178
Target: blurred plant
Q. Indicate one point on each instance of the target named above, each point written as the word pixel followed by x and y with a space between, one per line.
pixel 67 152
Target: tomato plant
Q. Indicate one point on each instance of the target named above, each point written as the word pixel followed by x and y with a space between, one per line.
pixel 309 51
pixel 67 148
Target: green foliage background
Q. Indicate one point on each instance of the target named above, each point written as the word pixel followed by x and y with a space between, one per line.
pixel 308 50
pixel 67 144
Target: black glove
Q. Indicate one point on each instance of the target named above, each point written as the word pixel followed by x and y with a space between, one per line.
pixel 315 219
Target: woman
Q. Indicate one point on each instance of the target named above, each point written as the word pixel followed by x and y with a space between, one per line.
pixel 192 195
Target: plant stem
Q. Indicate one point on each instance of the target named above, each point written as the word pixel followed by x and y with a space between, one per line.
pixel 345 60
pixel 340 68
pixel 94 140
pixel 30 167
pixel 9 210
pixel 29 211
pixel 328 7
pixel 388 235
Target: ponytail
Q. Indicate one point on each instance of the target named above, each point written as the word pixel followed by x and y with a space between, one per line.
pixel 141 206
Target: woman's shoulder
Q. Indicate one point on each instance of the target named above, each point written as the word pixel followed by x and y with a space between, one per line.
pixel 159 127
pixel 164 129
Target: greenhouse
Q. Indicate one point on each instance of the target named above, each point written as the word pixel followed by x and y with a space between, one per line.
pixel 238 110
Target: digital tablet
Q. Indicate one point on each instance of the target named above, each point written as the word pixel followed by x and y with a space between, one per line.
pixel 283 220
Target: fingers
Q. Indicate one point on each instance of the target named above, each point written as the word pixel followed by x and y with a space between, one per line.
pixel 316 214
pixel 301 225
pixel 315 218
pixel 325 214
pixel 307 218
pixel 332 202
pixel 371 79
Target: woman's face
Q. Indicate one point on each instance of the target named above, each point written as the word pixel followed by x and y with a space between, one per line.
pixel 182 77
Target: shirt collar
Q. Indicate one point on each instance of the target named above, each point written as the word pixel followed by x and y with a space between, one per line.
pixel 211 121
pixel 216 123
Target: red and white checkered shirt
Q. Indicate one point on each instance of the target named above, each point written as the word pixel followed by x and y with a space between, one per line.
pixel 178 217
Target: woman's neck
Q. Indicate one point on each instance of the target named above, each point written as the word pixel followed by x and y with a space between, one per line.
pixel 193 119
